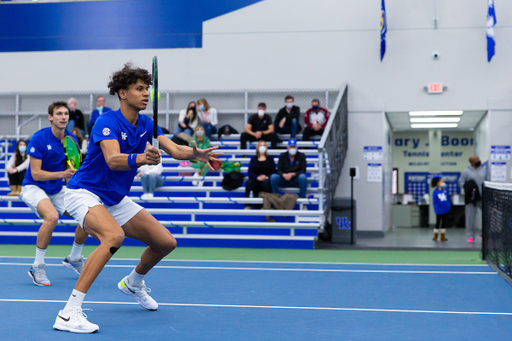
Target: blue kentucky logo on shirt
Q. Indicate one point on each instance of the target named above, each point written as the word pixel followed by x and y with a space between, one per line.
pixel 343 223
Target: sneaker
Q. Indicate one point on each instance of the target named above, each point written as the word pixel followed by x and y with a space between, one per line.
pixel 77 265
pixel 140 293
pixel 471 240
pixel 38 275
pixel 75 322
pixel 147 196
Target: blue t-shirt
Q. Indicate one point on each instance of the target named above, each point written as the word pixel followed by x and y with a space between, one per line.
pixel 50 150
pixel 95 175
pixel 442 203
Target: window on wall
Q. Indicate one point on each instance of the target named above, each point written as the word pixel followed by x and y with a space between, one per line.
pixel 394 185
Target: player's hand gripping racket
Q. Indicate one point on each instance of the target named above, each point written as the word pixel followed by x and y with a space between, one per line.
pixel 154 99
pixel 72 151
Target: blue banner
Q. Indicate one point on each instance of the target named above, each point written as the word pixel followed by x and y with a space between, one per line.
pixel 491 21
pixel 383 30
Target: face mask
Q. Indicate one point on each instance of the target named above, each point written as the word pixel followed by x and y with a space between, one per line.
pixel 292 151
pixel 262 149
pixel 443 185
pixel 22 149
pixel 200 133
pixel 99 108
pixel 289 105
pixel 201 107
pixel 261 113
pixel 315 107
pixel 478 164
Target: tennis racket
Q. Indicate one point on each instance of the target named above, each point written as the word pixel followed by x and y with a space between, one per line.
pixel 72 151
pixel 155 102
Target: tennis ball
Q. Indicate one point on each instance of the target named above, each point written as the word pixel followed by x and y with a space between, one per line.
pixel 152 94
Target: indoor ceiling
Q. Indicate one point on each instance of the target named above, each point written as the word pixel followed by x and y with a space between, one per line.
pixel 400 121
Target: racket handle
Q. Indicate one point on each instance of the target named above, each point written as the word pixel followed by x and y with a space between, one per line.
pixel 155 142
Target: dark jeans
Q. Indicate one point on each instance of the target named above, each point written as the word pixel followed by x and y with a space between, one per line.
pixel 244 137
pixel 292 129
pixel 308 132
pixel 209 129
pixel 300 181
pixel 442 220
pixel 16 179
pixel 256 187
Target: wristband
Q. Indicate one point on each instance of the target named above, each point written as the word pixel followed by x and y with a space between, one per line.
pixel 132 161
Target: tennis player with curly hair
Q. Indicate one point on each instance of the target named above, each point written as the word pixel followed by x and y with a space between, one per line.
pixel 96 194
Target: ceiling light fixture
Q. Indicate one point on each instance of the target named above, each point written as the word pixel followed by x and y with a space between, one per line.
pixel 433 125
pixel 435 119
pixel 436 113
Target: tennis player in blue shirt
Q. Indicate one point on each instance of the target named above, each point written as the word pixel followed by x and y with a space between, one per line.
pixel 96 194
pixel 43 192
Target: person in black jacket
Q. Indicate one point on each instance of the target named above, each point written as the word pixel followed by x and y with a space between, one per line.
pixel 261 168
pixel 76 117
pixel 291 170
pixel 259 127
pixel 287 119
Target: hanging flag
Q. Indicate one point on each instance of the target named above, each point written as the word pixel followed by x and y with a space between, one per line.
pixel 491 21
pixel 383 30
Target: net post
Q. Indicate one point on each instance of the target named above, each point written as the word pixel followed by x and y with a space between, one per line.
pixel 484 227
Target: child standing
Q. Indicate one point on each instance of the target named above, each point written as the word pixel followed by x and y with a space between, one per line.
pixel 442 206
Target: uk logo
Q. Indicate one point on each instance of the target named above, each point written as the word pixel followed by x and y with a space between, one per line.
pixel 343 223
pixel 124 136
pixel 49 146
pixel 106 131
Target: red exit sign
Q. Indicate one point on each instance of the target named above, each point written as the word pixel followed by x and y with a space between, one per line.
pixel 435 88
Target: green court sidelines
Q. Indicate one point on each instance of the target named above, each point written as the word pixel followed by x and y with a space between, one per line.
pixel 273 255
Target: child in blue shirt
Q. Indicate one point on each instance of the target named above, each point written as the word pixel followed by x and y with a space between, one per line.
pixel 442 206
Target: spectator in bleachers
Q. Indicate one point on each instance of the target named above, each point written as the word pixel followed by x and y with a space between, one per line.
pixel 208 116
pixel 83 143
pixel 202 142
pixel 259 127
pixel 287 119
pixel 261 167
pixel 188 120
pixel 151 178
pixel 76 117
pixel 100 109
pixel 315 120
pixel 291 170
pixel 16 167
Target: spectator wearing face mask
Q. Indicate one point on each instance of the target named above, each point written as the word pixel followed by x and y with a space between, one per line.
pixel 17 166
pixel 291 170
pixel 442 206
pixel 208 116
pixel 188 120
pixel 202 142
pixel 315 120
pixel 287 119
pixel 261 167
pixel 100 110
pixel 259 127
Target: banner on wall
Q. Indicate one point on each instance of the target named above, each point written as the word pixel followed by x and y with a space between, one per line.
pixel 499 153
pixel 418 183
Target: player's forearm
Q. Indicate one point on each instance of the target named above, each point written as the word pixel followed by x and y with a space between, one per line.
pixel 182 153
pixel 120 161
pixel 42 175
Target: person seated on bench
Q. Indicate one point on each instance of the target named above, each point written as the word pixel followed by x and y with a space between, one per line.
pixel 259 127
pixel 315 120
pixel 188 120
pixel 261 167
pixel 291 170
pixel 287 119
pixel 208 116
pixel 202 142
pixel 150 178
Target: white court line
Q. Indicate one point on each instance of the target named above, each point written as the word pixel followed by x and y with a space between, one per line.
pixel 268 262
pixel 275 307
pixel 287 269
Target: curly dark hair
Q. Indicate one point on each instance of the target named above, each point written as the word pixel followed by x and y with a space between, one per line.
pixel 126 76
pixel 434 182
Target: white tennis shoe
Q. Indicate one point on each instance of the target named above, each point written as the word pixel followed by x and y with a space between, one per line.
pixel 140 293
pixel 74 322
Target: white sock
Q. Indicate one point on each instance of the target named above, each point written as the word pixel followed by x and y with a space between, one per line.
pixel 134 279
pixel 75 301
pixel 39 256
pixel 76 252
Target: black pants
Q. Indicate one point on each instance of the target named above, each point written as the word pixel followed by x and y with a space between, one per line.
pixel 256 187
pixel 308 132
pixel 16 179
pixel 272 138
pixel 442 220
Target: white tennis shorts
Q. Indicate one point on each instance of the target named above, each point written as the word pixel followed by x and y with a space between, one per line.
pixel 32 195
pixel 78 202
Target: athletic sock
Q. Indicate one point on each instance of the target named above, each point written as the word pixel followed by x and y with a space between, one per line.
pixel 76 252
pixel 134 279
pixel 39 256
pixel 75 301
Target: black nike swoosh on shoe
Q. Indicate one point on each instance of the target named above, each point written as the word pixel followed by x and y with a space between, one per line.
pixel 133 292
pixel 66 320
pixel 73 295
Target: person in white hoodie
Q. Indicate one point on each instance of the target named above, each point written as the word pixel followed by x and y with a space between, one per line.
pixel 16 167
pixel 151 178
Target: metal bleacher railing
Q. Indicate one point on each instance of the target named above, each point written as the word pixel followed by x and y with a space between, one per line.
pixel 234 107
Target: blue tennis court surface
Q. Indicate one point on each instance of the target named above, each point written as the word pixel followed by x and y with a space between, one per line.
pixel 211 300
